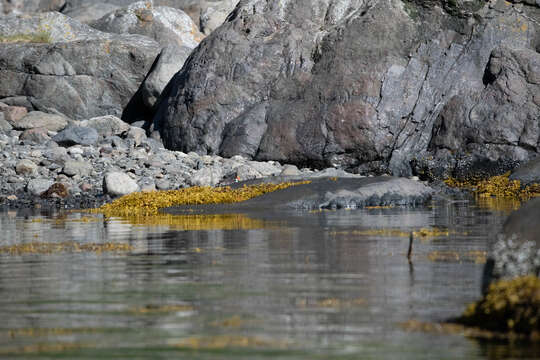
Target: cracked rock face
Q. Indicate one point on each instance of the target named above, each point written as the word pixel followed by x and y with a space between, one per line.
pixel 50 75
pixel 368 85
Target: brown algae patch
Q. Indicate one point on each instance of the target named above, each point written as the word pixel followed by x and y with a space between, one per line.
pixel 508 306
pixel 331 303
pixel 161 309
pixel 476 256
pixel 46 332
pixel 229 341
pixel 200 222
pixel 47 248
pixel 149 203
pixel 422 234
pixel 43 348
pixel 497 186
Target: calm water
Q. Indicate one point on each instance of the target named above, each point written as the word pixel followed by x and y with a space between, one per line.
pixel 323 285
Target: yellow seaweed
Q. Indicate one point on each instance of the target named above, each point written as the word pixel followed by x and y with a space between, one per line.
pixel 508 306
pixel 149 203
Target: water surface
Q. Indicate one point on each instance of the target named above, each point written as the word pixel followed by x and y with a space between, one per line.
pixel 295 285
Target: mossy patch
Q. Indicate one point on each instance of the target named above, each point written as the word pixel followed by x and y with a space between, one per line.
pixel 508 306
pixel 36 37
pixel 149 203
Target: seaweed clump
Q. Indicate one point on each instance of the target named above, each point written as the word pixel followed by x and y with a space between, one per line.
pixel 497 186
pixel 149 203
pixel 509 306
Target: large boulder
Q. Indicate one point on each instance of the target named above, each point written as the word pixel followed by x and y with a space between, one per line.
pixel 355 84
pixel 57 64
pixel 83 9
pixel 172 28
pixel 528 173
pixel 517 250
pixel 495 128
pixel 164 24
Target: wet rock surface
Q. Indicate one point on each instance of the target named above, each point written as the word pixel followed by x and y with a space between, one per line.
pixel 324 193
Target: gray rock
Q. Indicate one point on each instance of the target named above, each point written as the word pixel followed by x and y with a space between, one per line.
pixel 214 14
pixel 517 250
pixel 77 135
pixel 4 125
pixel 38 119
pixel 35 135
pixel 50 75
pixel 170 61
pixel 136 134
pixel 56 154
pixel 166 25
pixel 162 184
pixel 324 88
pixel 528 173
pixel 30 6
pixel 77 168
pixel 108 125
pixel 208 176
pixel 119 184
pixel 88 13
pixel 290 170
pixel 37 187
pixel 26 167
pixel 245 172
pixel 13 114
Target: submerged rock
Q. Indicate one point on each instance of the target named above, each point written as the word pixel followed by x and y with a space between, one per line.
pixel 327 193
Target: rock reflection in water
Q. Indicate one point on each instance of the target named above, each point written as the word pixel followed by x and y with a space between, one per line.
pixel 324 284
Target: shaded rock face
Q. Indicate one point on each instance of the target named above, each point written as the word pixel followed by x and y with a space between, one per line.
pixel 172 28
pixel 517 250
pixel 317 82
pixel 50 76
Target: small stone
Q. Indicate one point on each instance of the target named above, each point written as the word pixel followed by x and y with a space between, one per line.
pixel 36 154
pixel 57 190
pixel 75 150
pixel 138 135
pixel 290 170
pixel 108 125
pixel 37 187
pixel 26 167
pixel 77 135
pixel 85 187
pixel 13 114
pixel 77 168
pixel 119 184
pixel 36 135
pixel 38 119
pixel 163 185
